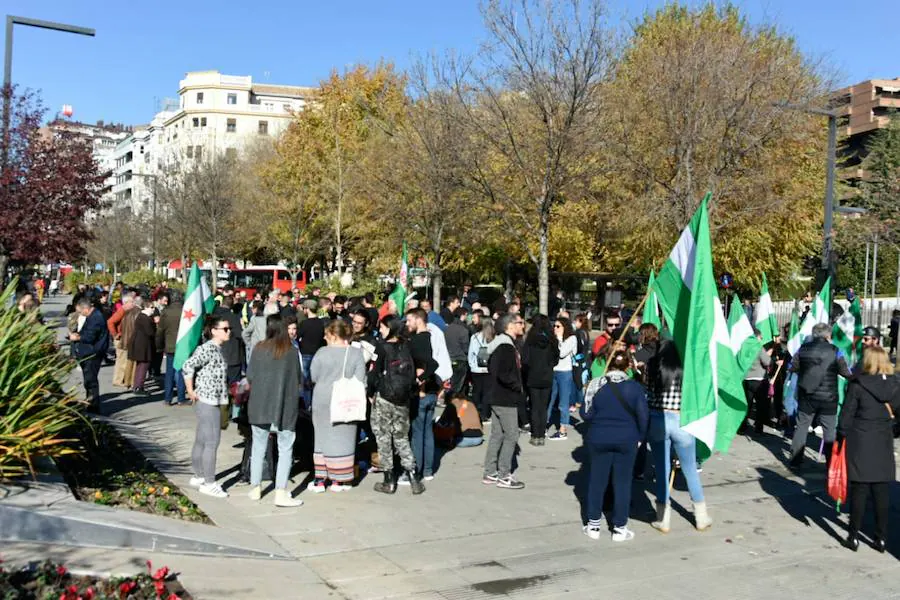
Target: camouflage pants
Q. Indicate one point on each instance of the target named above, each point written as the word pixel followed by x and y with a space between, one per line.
pixel 390 424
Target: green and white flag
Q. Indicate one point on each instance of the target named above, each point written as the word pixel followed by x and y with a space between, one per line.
pixel 198 302
pixel 794 329
pixel 651 306
pixel 744 344
pixel 848 331
pixel 818 313
pixel 765 314
pixel 712 395
pixel 400 290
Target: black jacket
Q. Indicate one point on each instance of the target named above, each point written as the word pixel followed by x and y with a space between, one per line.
pixel 818 365
pixel 420 348
pixel 94 337
pixel 867 427
pixel 539 355
pixel 232 350
pixel 505 371
pixel 457 338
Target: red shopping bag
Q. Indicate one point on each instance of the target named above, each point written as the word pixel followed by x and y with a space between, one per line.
pixel 837 474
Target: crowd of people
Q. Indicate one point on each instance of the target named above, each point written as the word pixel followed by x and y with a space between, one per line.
pixel 473 366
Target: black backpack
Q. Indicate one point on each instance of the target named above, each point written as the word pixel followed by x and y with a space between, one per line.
pixel 398 379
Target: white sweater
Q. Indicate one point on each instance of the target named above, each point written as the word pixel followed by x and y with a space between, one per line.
pixel 566 351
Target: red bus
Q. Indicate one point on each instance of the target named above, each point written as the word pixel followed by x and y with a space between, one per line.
pixel 264 277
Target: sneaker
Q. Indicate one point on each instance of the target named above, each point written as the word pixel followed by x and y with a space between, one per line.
pixel 340 487
pixel 491 479
pixel 534 441
pixel 318 486
pixel 510 483
pixel 622 534
pixel 213 489
pixel 196 482
pixel 428 478
pixel 559 436
pixel 591 532
pixel 403 480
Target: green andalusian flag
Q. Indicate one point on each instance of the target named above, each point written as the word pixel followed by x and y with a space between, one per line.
pixel 651 306
pixel 818 313
pixel 846 335
pixel 712 396
pixel 198 302
pixel 765 314
pixel 400 290
pixel 744 344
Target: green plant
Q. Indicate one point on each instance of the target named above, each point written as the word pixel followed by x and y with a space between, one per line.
pixel 72 280
pixel 36 412
pixel 143 276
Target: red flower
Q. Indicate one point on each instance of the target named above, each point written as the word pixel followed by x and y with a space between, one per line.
pixel 126 587
pixel 161 574
pixel 172 596
pixel 72 589
pixel 160 588
pixel 89 594
pixel 61 571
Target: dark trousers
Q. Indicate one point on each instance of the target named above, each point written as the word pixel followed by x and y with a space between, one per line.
pixel 481 394
pixel 756 392
pixel 458 378
pixel 156 364
pixel 806 413
pixel 859 498
pixel 617 459
pixel 90 370
pixel 540 397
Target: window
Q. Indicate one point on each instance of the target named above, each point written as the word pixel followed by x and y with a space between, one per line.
pixel 198 151
pixel 199 97
pixel 230 153
pixel 196 122
pixel 190 152
pixel 232 98
pixel 263 128
pixel 202 121
pixel 286 107
pixel 231 125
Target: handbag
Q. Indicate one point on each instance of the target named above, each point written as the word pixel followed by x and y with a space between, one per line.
pixel 837 473
pixel 348 397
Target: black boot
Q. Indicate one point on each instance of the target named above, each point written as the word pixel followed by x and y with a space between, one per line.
pixel 415 483
pixel 388 486
pixel 879 545
pixel 852 542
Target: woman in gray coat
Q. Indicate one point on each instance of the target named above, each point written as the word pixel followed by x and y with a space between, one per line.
pixel 335 444
pixel 275 381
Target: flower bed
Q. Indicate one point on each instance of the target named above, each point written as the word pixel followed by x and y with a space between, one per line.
pixel 50 580
pixel 112 472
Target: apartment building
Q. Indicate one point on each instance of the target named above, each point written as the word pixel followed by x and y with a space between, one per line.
pixel 863 108
pixel 137 160
pixel 102 137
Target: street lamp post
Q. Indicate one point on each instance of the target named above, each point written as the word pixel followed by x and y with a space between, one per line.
pixel 7 63
pixel 153 230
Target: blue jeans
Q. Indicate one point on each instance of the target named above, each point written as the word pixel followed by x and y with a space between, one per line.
pixel 307 382
pixel 423 435
pixel 665 431
pixel 469 442
pixel 174 379
pixel 258 455
pixel 561 394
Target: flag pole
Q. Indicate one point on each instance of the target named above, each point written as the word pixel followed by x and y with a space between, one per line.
pixel 637 312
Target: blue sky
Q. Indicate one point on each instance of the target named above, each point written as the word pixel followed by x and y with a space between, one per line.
pixel 143 49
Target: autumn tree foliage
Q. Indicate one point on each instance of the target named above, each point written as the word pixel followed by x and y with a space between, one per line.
pixel 47 187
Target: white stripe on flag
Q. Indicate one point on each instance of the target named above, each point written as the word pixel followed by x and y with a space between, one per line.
pixel 683 255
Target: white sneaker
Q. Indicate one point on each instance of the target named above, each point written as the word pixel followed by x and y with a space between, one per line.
pixel 196 482
pixel 213 489
pixel 340 487
pixel 404 480
pixel 622 534
pixel 591 532
pixel 429 478
pixel 318 487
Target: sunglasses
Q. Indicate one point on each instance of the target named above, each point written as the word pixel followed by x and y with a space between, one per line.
pixel 612 325
pixel 868 339
pixel 223 328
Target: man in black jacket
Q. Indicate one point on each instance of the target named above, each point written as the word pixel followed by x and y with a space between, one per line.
pixel 232 350
pixel 457 338
pixel 817 364
pixel 507 392
pixel 90 348
pixel 166 338
pixel 421 414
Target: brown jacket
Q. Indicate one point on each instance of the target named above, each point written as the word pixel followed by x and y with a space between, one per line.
pixel 126 331
pixel 469 421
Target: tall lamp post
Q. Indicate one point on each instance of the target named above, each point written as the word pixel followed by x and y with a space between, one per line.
pixel 7 63
pixel 827 235
pixel 153 260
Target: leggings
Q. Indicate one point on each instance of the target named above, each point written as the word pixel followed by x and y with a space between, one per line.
pixel 206 441
pixel 859 498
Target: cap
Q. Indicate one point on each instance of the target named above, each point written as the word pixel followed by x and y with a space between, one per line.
pixel 872 332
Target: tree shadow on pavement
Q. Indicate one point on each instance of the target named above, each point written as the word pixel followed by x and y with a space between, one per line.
pixel 803 502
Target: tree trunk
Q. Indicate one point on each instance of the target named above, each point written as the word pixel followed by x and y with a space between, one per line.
pixel 437 279
pixel 4 264
pixel 543 264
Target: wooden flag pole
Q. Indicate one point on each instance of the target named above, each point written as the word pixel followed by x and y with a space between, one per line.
pixel 627 327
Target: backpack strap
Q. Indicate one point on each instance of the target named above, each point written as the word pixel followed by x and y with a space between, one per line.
pixel 613 387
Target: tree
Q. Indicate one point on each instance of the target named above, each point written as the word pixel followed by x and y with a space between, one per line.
pixel 176 211
pixel 211 184
pixel 47 186
pixel 693 107
pixel 880 187
pixel 118 238
pixel 532 108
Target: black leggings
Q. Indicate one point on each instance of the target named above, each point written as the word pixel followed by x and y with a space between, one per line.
pixel 540 397
pixel 480 394
pixel 859 498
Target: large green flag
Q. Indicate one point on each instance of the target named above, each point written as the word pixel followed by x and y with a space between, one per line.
pixel 744 344
pixel 651 306
pixel 400 290
pixel 794 329
pixel 818 313
pixel 765 314
pixel 846 335
pixel 712 396
pixel 198 302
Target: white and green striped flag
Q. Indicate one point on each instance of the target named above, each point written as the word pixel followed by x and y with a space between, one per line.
pixel 818 313
pixel 765 314
pixel 848 331
pixel 198 302
pixel 712 395
pixel 744 344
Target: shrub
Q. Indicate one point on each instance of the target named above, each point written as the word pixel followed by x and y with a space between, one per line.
pixel 35 410
pixel 142 276
pixel 72 280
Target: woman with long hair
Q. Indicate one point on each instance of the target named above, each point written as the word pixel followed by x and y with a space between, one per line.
pixel 866 423
pixel 392 386
pixel 274 406
pixel 582 331
pixel 539 356
pixel 208 393
pixel 561 392
pixel 478 357
pixel 616 413
pixel 665 433
pixel 335 443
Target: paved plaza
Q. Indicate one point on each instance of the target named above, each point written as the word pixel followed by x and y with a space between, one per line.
pixel 775 535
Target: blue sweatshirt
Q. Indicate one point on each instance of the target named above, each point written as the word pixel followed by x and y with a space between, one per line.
pixel 608 421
